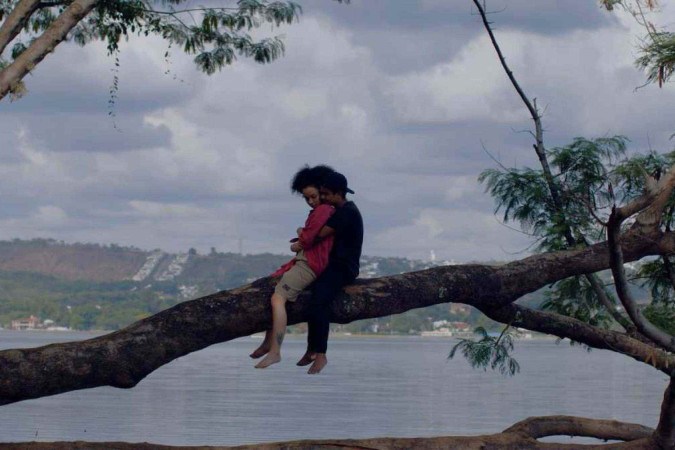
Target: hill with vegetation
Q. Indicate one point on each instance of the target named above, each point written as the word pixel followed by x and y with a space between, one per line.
pixel 92 286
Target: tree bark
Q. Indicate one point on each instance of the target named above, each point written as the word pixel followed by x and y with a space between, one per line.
pixel 538 427
pixel 644 326
pixel 123 358
pixel 650 207
pixel 15 21
pixel 522 435
pixel 42 46
pixel 568 327
pixel 665 431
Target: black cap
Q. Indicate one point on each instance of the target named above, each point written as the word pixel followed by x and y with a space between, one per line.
pixel 336 182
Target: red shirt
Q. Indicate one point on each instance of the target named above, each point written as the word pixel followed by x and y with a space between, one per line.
pixel 316 252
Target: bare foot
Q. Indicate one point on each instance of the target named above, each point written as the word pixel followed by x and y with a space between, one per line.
pixel 319 363
pixel 260 351
pixel 307 359
pixel 271 358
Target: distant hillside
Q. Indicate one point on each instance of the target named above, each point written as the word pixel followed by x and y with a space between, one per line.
pixel 100 263
pixel 87 286
pixel 71 261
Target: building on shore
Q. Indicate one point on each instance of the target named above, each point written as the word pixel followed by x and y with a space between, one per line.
pixel 30 323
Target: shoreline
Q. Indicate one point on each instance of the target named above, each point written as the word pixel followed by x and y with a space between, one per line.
pixel 333 335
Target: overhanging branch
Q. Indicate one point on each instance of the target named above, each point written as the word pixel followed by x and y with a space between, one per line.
pixel 15 21
pixel 43 45
pixel 538 427
pixel 568 327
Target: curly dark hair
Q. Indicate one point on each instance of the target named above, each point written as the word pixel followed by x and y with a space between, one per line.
pixel 309 176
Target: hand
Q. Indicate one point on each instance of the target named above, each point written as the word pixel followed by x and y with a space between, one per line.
pixel 296 247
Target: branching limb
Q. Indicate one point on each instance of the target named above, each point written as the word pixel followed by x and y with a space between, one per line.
pixel 15 21
pixel 665 431
pixel 43 45
pixel 650 207
pixel 552 186
pixel 531 107
pixel 651 204
pixel 538 427
pixel 630 305
pixel 567 327
pixel 609 304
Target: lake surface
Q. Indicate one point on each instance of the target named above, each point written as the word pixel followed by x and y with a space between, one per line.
pixel 398 386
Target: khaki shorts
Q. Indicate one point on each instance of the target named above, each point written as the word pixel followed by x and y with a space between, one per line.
pixel 295 281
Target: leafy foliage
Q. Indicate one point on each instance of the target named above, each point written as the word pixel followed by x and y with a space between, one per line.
pixel 574 297
pixel 215 35
pixel 589 176
pixel 657 56
pixel 580 176
pixel 488 351
pixel 658 279
pixel 663 316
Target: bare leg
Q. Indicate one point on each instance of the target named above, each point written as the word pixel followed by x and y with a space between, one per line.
pixel 264 347
pixel 279 321
pixel 307 358
pixel 319 363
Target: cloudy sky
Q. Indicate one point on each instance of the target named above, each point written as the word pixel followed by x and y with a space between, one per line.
pixel 401 96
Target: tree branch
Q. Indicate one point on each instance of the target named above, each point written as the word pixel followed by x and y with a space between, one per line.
pixel 643 325
pixel 43 45
pixel 538 427
pixel 15 21
pixel 608 304
pixel 543 160
pixel 665 431
pixel 651 206
pixel 568 327
pixel 504 440
pixel 125 357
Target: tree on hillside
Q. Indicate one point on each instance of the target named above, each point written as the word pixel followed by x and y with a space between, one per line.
pixel 565 204
pixel 31 29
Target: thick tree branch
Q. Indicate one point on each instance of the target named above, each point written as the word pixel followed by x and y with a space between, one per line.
pixel 496 441
pixel 665 431
pixel 125 357
pixel 568 327
pixel 609 304
pixel 651 207
pixel 538 427
pixel 560 265
pixel 651 204
pixel 643 325
pixel 42 46
pixel 15 21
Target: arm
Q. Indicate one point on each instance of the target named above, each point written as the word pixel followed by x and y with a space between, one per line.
pixel 315 222
pixel 325 232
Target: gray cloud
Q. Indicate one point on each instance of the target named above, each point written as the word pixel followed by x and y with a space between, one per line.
pixel 400 96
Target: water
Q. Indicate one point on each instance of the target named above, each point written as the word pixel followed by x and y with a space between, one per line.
pixel 398 386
